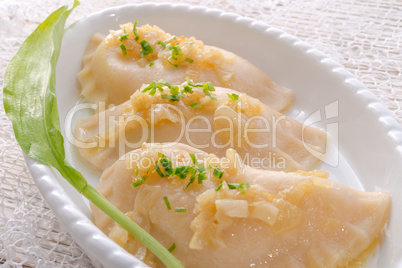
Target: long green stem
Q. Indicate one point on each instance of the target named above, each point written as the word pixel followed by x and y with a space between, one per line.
pixel 80 184
pixel 30 103
pixel 149 241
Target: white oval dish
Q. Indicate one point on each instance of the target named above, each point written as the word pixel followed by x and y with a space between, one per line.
pixel 368 137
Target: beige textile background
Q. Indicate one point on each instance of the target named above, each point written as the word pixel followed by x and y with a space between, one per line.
pixel 364 36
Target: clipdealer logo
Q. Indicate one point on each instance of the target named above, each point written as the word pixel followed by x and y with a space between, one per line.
pixel 236 130
pixel 329 116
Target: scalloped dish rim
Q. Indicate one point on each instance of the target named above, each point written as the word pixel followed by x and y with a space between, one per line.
pixel 104 251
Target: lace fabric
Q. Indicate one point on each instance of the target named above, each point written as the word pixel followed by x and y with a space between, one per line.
pixel 364 36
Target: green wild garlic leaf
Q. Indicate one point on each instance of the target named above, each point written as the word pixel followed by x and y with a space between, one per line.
pixel 31 105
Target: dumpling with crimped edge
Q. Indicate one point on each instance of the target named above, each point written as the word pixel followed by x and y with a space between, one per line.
pixel 238 216
pixel 112 77
pixel 263 137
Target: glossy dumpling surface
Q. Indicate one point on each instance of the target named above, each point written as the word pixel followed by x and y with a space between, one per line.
pixel 263 137
pixel 274 219
pixel 112 77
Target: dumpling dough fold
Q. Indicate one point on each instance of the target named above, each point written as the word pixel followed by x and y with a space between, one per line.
pixel 111 77
pixel 263 137
pixel 298 219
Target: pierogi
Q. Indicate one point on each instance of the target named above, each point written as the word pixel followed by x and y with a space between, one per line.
pixel 237 216
pixel 209 120
pixel 212 169
pixel 115 66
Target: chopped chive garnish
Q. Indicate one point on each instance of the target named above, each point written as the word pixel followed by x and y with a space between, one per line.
pixel 149 87
pixel 174 90
pixel 187 89
pixel 191 180
pixel 135 31
pixel 163 82
pixel 233 186
pixel 151 63
pixel 166 165
pixel 162 44
pixel 218 173
pixel 195 105
pixel 209 86
pixel 153 91
pixel 240 187
pixel 123 49
pixel 136 171
pixel 170 39
pixel 201 177
pixel 189 60
pixel 158 170
pixel 172 247
pixel 123 36
pixel 202 171
pixel 181 172
pixel 177 54
pixel 175 65
pixel 219 187
pixel 160 87
pixel 140 181
pixel 146 48
pixel 233 96
pixel 191 83
pixel 180 210
pixel 172 98
pixel 206 88
pixel 167 203
pixel 176 94
pixel 194 159
pixel 189 43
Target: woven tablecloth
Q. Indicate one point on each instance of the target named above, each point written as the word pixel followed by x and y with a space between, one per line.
pixel 364 36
